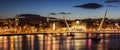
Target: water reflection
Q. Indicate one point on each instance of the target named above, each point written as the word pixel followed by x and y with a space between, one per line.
pixel 61 42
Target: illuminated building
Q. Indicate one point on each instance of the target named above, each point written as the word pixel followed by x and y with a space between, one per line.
pixel 16 20
pixel 78 25
pixel 55 25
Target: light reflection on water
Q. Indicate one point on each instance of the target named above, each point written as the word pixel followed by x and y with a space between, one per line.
pixel 45 42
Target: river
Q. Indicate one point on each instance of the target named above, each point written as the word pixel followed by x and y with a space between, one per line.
pixel 49 42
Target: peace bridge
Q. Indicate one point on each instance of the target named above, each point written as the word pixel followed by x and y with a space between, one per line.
pixel 70 30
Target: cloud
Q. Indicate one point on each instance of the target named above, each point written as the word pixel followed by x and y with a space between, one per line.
pixel 53 13
pixel 112 6
pixel 112 1
pixel 89 6
pixel 64 13
pixel 69 13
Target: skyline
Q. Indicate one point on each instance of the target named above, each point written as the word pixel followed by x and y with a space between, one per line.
pixel 45 7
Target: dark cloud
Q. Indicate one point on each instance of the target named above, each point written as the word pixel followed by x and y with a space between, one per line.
pixel 112 1
pixel 64 13
pixel 89 6
pixel 53 13
pixel 69 13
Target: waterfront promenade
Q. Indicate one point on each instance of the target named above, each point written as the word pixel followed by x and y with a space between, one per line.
pixel 57 33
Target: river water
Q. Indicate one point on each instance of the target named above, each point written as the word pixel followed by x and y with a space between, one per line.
pixel 49 42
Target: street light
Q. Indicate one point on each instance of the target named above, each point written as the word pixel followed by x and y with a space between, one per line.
pixel 77 22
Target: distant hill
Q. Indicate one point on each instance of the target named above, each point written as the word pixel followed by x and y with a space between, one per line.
pixel 34 17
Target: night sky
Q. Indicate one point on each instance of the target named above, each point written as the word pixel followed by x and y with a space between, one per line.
pixel 74 9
